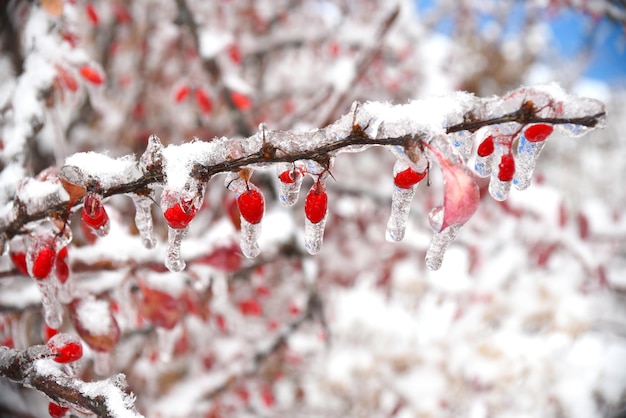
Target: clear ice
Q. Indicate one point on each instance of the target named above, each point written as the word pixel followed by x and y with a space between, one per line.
pixel 314 235
pixel 53 311
pixel 499 189
pixel 249 238
pixel 400 207
pixel 440 240
pixel 525 161
pixel 143 219
pixel 173 260
pixel 288 192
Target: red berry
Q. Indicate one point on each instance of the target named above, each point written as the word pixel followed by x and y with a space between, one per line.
pixel 92 14
pixel 506 168
pixel 179 215
pixel 287 177
pixel 538 132
pixel 250 307
pixel 57 411
pixel 48 332
pixel 66 348
pixel 408 178
pixel 91 74
pixel 203 100
pixel 251 205
pixel 19 259
pixel 93 213
pixel 43 261
pixel 486 147
pixel 181 93
pixel 316 205
pixel 240 100
pixel 61 268
pixel 68 79
pixel 234 53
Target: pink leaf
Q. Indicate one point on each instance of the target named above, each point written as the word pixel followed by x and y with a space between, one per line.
pixel 461 193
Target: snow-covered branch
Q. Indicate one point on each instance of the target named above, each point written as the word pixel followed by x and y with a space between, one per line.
pixel 444 130
pixel 33 368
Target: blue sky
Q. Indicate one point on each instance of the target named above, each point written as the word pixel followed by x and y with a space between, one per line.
pixel 574 33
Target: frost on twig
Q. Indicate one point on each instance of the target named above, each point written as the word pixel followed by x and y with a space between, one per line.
pixel 33 368
pixel 440 131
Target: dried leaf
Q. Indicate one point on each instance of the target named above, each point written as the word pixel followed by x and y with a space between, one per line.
pixel 461 193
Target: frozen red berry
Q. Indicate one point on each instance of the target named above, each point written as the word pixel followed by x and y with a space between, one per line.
pixel 91 74
pixel 204 101
pixel 57 411
pixel 234 53
pixel 506 168
pixel 538 132
pixel 181 93
pixel 66 348
pixel 179 215
pixel 43 258
pixel 19 260
pixel 287 177
pixel 61 268
pixel 93 213
pixel 251 205
pixel 316 204
pixel 240 100
pixel 408 178
pixel 250 307
pixel 92 14
pixel 486 147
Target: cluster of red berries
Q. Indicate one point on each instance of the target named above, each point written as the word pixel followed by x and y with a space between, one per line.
pixel 506 167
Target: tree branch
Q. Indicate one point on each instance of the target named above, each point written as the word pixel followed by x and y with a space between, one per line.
pixel 402 128
pixel 31 368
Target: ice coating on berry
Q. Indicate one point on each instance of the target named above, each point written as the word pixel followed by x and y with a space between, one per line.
pixel 538 132
pixel 408 178
pixel 57 411
pixel 316 204
pixel 179 215
pixel 486 147
pixel 94 215
pixel 66 348
pixel 289 184
pixel 40 258
pixel 503 169
pixel 506 168
pixel 251 205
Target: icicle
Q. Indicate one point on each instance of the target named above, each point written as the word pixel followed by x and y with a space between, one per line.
pixel 314 235
pixel 440 240
pixel 153 154
pixel 179 210
pixel 102 362
pixel 249 238
pixel 53 311
pixel 289 183
pixel 501 176
pixel 525 161
pixel 400 206
pixel 316 213
pixel 251 206
pixel 173 260
pixel 143 219
pixel 438 246
pixel 405 184
pixel 463 141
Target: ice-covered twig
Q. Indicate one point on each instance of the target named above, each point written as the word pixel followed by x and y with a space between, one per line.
pixel 400 127
pixel 30 367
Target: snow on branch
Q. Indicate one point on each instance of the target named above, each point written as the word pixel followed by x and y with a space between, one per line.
pixel 501 137
pixel 33 367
